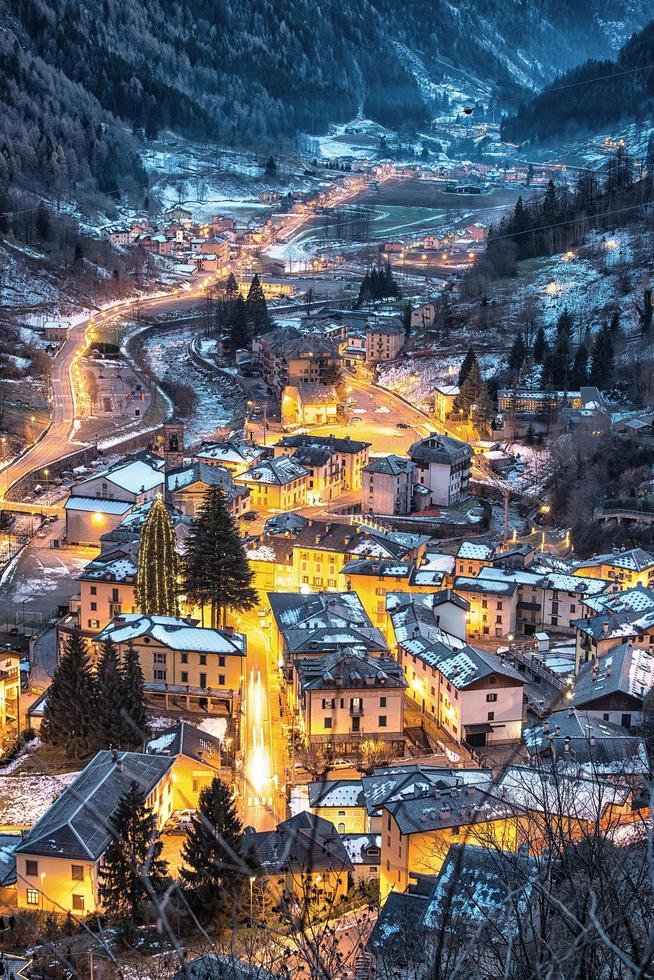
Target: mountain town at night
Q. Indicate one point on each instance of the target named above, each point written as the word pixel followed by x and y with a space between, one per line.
pixel 326 490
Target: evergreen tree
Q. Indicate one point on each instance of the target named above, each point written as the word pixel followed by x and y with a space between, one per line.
pixel 472 392
pixel 133 856
pixel 215 570
pixel 466 365
pixel 530 437
pixel 214 870
pixel 43 224
pixel 156 583
pixel 645 312
pixel 579 373
pixel 110 727
pixel 557 363
pixel 231 288
pixel 133 706
pixel 602 359
pixel 271 167
pixel 540 346
pixel 239 335
pixel 69 717
pixel 256 309
pixel 518 352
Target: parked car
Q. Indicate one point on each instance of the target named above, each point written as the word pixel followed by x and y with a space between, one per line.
pixel 251 515
pixel 403 425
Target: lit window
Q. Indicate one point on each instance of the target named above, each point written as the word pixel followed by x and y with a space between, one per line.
pixel 32 896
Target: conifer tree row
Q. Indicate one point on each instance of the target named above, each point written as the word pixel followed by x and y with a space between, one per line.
pixel 86 710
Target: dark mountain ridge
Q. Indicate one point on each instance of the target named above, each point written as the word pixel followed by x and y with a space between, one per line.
pixel 591 96
pixel 77 76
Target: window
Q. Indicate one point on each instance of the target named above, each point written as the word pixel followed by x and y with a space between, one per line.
pixel 492 679
pixel 221 680
pixel 94 606
pixel 185 658
pixel 328 702
pixel 203 659
pixel 605 716
pixel 327 722
pixel 160 658
pixel 382 721
pixel 94 623
pixel 93 590
pixel 498 619
pixel 159 674
pixel 184 677
pixel 454 831
pixel 491 716
pixel 499 604
pixel 32 896
pixel 382 702
pixel 491 697
pixel 203 680
pixel 484 604
pixel 573 608
pixel 356 724
pixel 77 872
pixel 32 868
pixel 221 661
pixel 78 903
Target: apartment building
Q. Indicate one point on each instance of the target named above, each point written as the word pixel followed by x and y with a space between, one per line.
pixel 387 485
pixel 443 466
pixel 347 697
pixel 183 664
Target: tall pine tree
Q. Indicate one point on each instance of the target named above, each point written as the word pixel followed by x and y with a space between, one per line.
pixel 466 364
pixel 70 717
pixel 215 869
pixel 518 352
pixel 133 856
pixel 540 346
pixel 601 370
pixel 256 309
pixel 110 727
pixel 215 570
pixel 133 707
pixel 239 334
pixel 156 583
pixel 579 373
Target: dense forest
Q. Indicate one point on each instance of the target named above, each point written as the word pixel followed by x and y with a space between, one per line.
pixel 591 96
pixel 80 82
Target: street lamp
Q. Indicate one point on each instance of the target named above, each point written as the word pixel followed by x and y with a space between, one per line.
pixel 252 881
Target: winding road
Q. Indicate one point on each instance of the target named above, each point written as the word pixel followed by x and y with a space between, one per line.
pixel 58 440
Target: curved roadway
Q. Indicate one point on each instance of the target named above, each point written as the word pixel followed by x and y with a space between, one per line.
pixel 58 439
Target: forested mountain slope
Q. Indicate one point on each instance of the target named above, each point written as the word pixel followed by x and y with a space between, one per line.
pixel 591 96
pixel 77 75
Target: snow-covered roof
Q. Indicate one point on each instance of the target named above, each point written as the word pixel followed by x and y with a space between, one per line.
pixel 626 669
pixel 362 848
pixel 486 586
pixel 476 551
pixel 280 471
pixel 174 633
pixel 134 477
pixel 336 793
pixel 114 566
pixel 96 505
pixel 552 792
